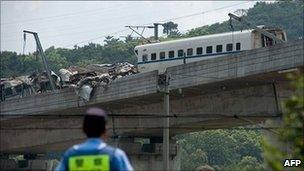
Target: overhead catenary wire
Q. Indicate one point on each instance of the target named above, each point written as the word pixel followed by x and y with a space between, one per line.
pixel 194 14
pixel 200 13
pixel 57 17
pixel 170 19
pixel 125 18
pixel 60 16
pixel 188 16
pixel 95 38
pixel 13 38
pixel 76 13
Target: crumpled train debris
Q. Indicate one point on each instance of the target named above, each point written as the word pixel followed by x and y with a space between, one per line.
pixel 83 80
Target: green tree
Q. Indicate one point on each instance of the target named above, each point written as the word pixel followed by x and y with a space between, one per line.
pixel 205 168
pixel 292 131
pixel 55 60
pixel 9 60
pixel 248 143
pixel 84 63
pixel 170 28
pixel 287 15
pixel 219 147
pixel 193 158
pixel 248 163
pixel 30 63
pixel 13 64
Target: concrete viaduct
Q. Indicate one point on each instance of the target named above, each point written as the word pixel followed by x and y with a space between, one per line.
pixel 228 91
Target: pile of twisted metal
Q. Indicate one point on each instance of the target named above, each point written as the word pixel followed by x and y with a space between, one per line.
pixel 83 80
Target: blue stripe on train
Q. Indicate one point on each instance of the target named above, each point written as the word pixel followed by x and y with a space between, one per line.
pixel 181 58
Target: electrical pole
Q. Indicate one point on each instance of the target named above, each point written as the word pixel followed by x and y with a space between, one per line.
pixel 166 133
pixel 39 47
pixel 156 30
pixel 163 85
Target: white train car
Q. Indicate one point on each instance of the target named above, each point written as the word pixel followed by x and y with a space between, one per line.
pixel 159 56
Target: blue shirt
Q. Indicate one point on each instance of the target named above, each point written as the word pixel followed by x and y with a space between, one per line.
pixel 118 158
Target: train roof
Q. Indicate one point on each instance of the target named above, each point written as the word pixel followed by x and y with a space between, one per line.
pixel 196 38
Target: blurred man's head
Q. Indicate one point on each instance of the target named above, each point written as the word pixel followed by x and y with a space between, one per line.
pixel 94 122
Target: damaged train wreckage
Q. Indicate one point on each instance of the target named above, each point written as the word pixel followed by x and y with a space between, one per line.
pixel 83 80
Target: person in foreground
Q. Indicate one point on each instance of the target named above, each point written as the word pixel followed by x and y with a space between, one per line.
pixel 94 153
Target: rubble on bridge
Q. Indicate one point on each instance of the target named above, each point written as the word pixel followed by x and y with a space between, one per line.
pixel 83 80
pixel 15 87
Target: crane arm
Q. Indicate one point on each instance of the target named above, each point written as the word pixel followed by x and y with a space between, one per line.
pixel 46 67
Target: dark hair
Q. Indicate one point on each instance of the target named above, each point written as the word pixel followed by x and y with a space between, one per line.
pixel 94 126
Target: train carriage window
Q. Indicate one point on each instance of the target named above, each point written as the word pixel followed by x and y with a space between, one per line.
pixel 199 50
pixel 162 55
pixel 171 54
pixel 219 48
pixel 180 53
pixel 145 58
pixel 189 52
pixel 209 49
pixel 229 47
pixel 136 51
pixel 238 46
pixel 153 56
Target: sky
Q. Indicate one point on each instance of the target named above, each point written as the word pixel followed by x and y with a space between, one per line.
pixel 66 23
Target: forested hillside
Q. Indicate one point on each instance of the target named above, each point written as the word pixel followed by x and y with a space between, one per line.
pixel 222 149
pixel 285 14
